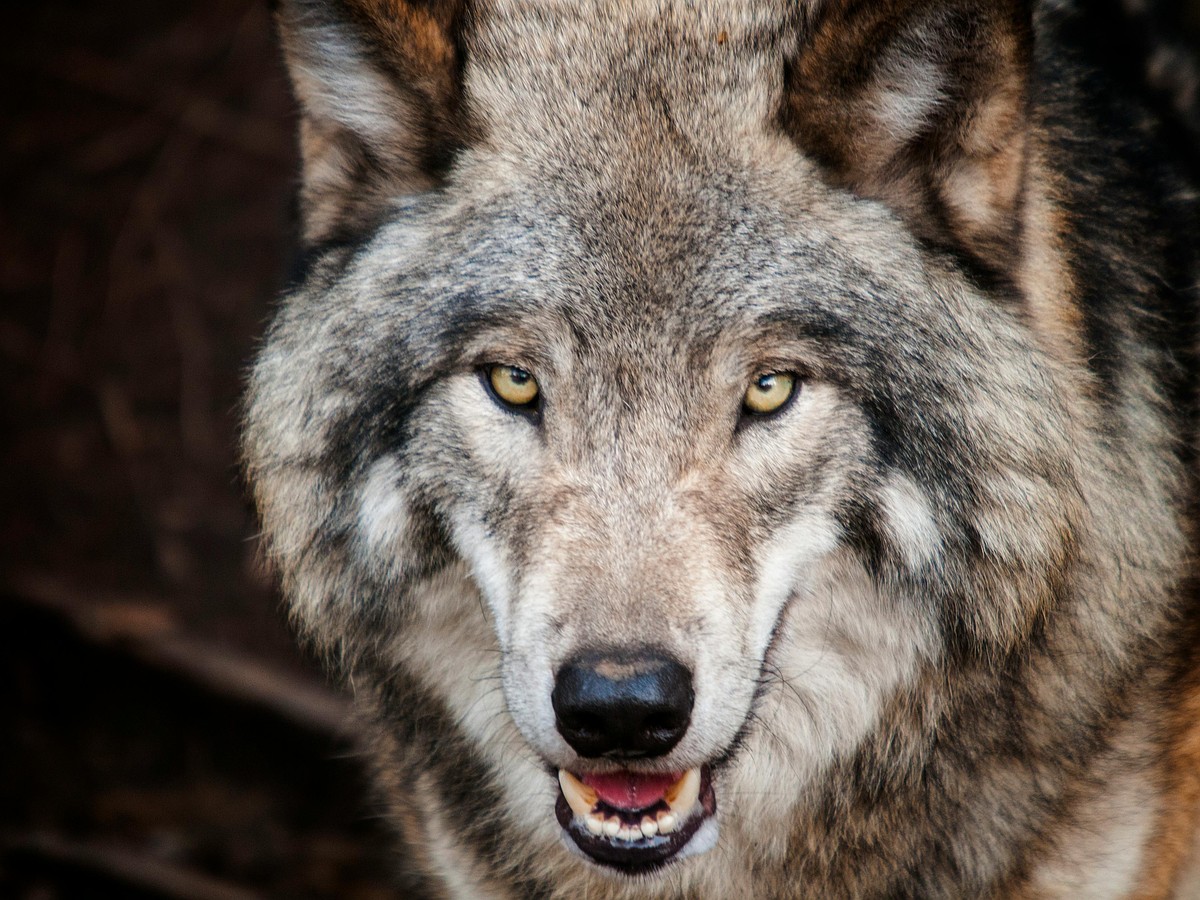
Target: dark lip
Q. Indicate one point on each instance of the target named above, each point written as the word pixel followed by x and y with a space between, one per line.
pixel 644 855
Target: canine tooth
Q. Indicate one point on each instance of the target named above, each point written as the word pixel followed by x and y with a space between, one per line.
pixel 667 822
pixel 594 824
pixel 580 797
pixel 649 826
pixel 684 793
pixel 612 826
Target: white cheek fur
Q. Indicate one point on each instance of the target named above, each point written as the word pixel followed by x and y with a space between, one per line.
pixel 502 446
pixel 382 508
pixel 455 654
pixel 910 521
pixel 843 648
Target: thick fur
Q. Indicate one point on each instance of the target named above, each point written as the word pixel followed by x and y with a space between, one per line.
pixel 939 610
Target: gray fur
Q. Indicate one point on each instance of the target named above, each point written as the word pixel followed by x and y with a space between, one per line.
pixel 933 608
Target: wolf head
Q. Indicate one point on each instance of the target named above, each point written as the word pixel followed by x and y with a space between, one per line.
pixel 685 368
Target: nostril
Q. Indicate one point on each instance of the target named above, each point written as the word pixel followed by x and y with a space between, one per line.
pixel 663 723
pixel 583 723
pixel 623 704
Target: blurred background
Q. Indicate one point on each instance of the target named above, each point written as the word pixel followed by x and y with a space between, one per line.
pixel 162 736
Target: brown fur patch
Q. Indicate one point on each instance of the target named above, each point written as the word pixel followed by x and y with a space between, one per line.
pixel 921 105
pixel 380 83
pixel 1175 835
pixel 1045 277
pixel 420 40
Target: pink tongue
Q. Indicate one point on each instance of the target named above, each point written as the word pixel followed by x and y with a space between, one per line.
pixel 629 790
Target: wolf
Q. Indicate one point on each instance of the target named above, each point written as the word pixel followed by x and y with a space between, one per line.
pixel 747 449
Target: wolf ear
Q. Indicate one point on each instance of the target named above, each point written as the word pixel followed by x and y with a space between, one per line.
pixel 380 90
pixel 922 104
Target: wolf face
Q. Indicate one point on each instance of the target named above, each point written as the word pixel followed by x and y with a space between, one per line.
pixel 685 407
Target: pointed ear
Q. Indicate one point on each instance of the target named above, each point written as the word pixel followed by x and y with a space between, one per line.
pixel 380 91
pixel 922 104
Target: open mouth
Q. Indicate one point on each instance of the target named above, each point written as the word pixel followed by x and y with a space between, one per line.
pixel 635 822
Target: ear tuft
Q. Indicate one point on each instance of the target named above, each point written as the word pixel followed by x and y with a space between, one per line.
pixel 380 89
pixel 922 105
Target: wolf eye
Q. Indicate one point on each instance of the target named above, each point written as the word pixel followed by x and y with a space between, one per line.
pixel 513 386
pixel 769 393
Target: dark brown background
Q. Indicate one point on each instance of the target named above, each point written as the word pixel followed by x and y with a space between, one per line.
pixel 161 735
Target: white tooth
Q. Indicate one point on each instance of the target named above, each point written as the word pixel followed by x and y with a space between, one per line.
pixel 683 794
pixel 580 797
pixel 626 833
pixel 649 826
pixel 612 826
pixel 594 823
pixel 666 822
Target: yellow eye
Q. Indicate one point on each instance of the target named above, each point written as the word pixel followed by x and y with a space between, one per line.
pixel 513 386
pixel 769 392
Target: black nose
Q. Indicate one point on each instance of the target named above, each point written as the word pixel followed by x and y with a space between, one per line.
pixel 623 705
